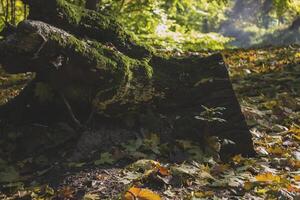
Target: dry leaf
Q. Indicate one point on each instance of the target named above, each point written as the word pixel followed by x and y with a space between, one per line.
pixel 66 192
pixel 276 150
pixel 268 177
pixel 248 186
pixel 204 194
pixel 292 188
pixel 297 178
pixel 237 158
pixel 135 193
pixel 163 171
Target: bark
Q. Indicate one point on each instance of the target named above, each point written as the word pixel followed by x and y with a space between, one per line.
pixel 87 23
pixel 153 92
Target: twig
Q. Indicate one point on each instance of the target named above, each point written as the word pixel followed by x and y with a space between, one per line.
pixel 71 113
pixel 91 116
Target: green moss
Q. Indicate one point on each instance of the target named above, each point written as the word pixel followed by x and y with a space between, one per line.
pixel 148 68
pixel 81 49
pixel 79 15
pixel 72 12
pixel 103 28
pixel 126 78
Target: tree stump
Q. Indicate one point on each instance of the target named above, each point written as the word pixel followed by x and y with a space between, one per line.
pixel 86 63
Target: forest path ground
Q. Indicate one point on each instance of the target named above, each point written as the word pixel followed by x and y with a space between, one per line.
pixel 267 83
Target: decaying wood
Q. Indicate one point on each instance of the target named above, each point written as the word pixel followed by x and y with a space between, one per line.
pixel 96 66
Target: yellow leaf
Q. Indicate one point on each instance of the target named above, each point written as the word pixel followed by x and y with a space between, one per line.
pixel 237 158
pixel 297 178
pixel 297 55
pixel 295 129
pixel 270 104
pixel 261 191
pixel 297 137
pixel 91 197
pixel 204 194
pixel 276 150
pixel 268 177
pixel 248 186
pixel 139 193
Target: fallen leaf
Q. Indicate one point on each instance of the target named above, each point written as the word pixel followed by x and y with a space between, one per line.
pixel 292 188
pixel 261 191
pixel 163 171
pixel 297 178
pixel 204 194
pixel 91 197
pixel 66 193
pixel 268 177
pixel 237 158
pixel 140 193
pixel 276 150
pixel 248 186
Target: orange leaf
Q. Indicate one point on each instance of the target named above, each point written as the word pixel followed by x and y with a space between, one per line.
pixel 139 193
pixel 292 188
pixel 163 171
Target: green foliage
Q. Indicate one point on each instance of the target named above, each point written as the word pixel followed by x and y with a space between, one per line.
pixel 281 6
pixel 172 25
pixel 192 25
pixel 12 12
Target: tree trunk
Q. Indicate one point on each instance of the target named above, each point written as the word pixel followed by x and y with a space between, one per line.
pixel 295 24
pixel 84 59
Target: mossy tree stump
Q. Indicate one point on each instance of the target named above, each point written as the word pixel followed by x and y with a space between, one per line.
pixel 84 61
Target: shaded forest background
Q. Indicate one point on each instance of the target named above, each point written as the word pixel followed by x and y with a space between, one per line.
pixel 194 25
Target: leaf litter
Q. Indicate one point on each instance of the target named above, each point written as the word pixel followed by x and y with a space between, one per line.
pixel 267 82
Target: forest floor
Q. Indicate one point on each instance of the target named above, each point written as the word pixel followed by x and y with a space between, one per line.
pixel 34 164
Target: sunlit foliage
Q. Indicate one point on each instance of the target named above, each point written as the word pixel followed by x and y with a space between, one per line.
pixel 12 11
pixel 185 25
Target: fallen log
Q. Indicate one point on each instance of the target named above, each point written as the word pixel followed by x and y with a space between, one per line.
pixel 191 96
